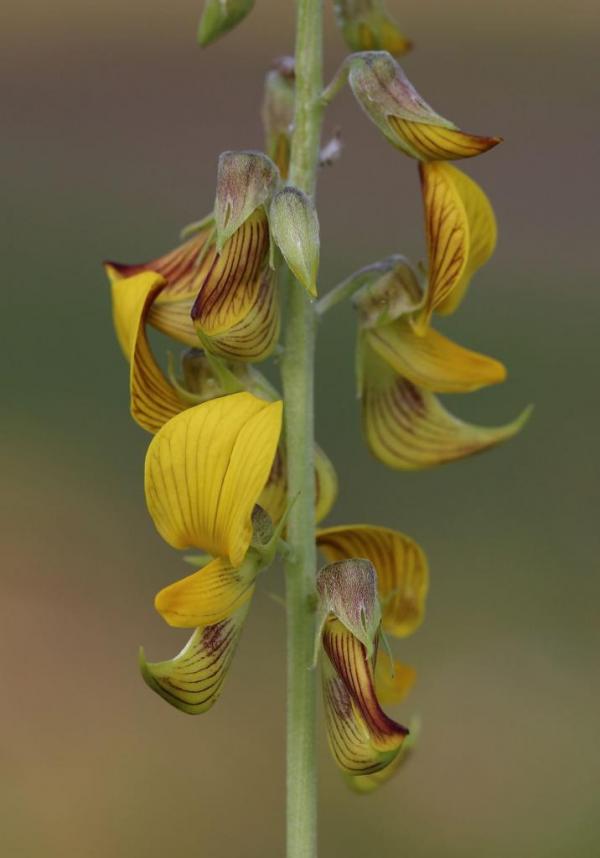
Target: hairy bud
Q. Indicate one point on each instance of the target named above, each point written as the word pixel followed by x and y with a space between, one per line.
pixel 295 230
pixel 245 181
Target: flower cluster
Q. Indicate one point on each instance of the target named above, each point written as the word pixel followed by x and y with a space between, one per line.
pixel 402 360
pixel 215 474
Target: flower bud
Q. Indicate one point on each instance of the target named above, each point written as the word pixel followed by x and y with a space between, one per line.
pixel 245 181
pixel 295 230
pixel 406 120
pixel 348 590
pixel 366 26
pixel 278 112
pixel 220 16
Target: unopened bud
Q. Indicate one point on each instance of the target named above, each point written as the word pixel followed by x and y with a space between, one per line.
pixel 245 181
pixel 366 26
pixel 278 112
pixel 295 230
pixel 220 16
pixel 348 590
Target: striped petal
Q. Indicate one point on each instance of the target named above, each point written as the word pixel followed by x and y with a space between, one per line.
pixel 407 428
pixel 205 470
pixel 393 680
pixel 406 120
pixel 401 566
pixel 209 595
pixel 364 784
pixel 460 233
pixel 237 308
pixel 193 680
pixel 482 233
pixel 429 142
pixel 185 268
pixel 433 361
pixel 153 400
pixel 361 736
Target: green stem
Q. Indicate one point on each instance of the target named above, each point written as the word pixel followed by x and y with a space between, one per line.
pixel 298 386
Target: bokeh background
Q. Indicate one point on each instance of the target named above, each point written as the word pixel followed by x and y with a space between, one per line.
pixel 112 123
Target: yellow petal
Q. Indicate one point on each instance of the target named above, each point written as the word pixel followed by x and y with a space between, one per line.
pixel 184 269
pixel 447 235
pixel 461 234
pixel 430 142
pixel 401 566
pixel 482 234
pixel 361 736
pixel 193 680
pixel 153 400
pixel 205 470
pixel 407 428
pixel 237 308
pixel 364 784
pixel 393 680
pixel 432 360
pixel 208 596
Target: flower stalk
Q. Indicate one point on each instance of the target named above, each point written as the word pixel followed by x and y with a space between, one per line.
pixel 298 386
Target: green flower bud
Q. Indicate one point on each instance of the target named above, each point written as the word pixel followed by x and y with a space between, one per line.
pixel 295 230
pixel 366 26
pixel 245 181
pixel 348 590
pixel 278 112
pixel 220 16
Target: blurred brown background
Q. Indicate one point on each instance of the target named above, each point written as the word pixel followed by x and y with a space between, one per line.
pixel 113 121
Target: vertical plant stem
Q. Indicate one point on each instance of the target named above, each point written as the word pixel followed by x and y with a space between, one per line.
pixel 298 385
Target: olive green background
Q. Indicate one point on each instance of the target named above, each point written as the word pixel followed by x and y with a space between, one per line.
pixel 112 124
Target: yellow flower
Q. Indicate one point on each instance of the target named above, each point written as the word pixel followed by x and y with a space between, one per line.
pixel 407 427
pixel 229 298
pixel 390 100
pixel 399 371
pixel 205 470
pixel 358 674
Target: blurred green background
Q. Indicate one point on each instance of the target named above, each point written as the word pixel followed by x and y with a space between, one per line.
pixel 113 121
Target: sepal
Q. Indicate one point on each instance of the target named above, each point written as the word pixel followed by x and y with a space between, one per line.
pixel 219 17
pixel 386 291
pixel 402 570
pixel 347 589
pixel 295 230
pixel 405 119
pixel 245 181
